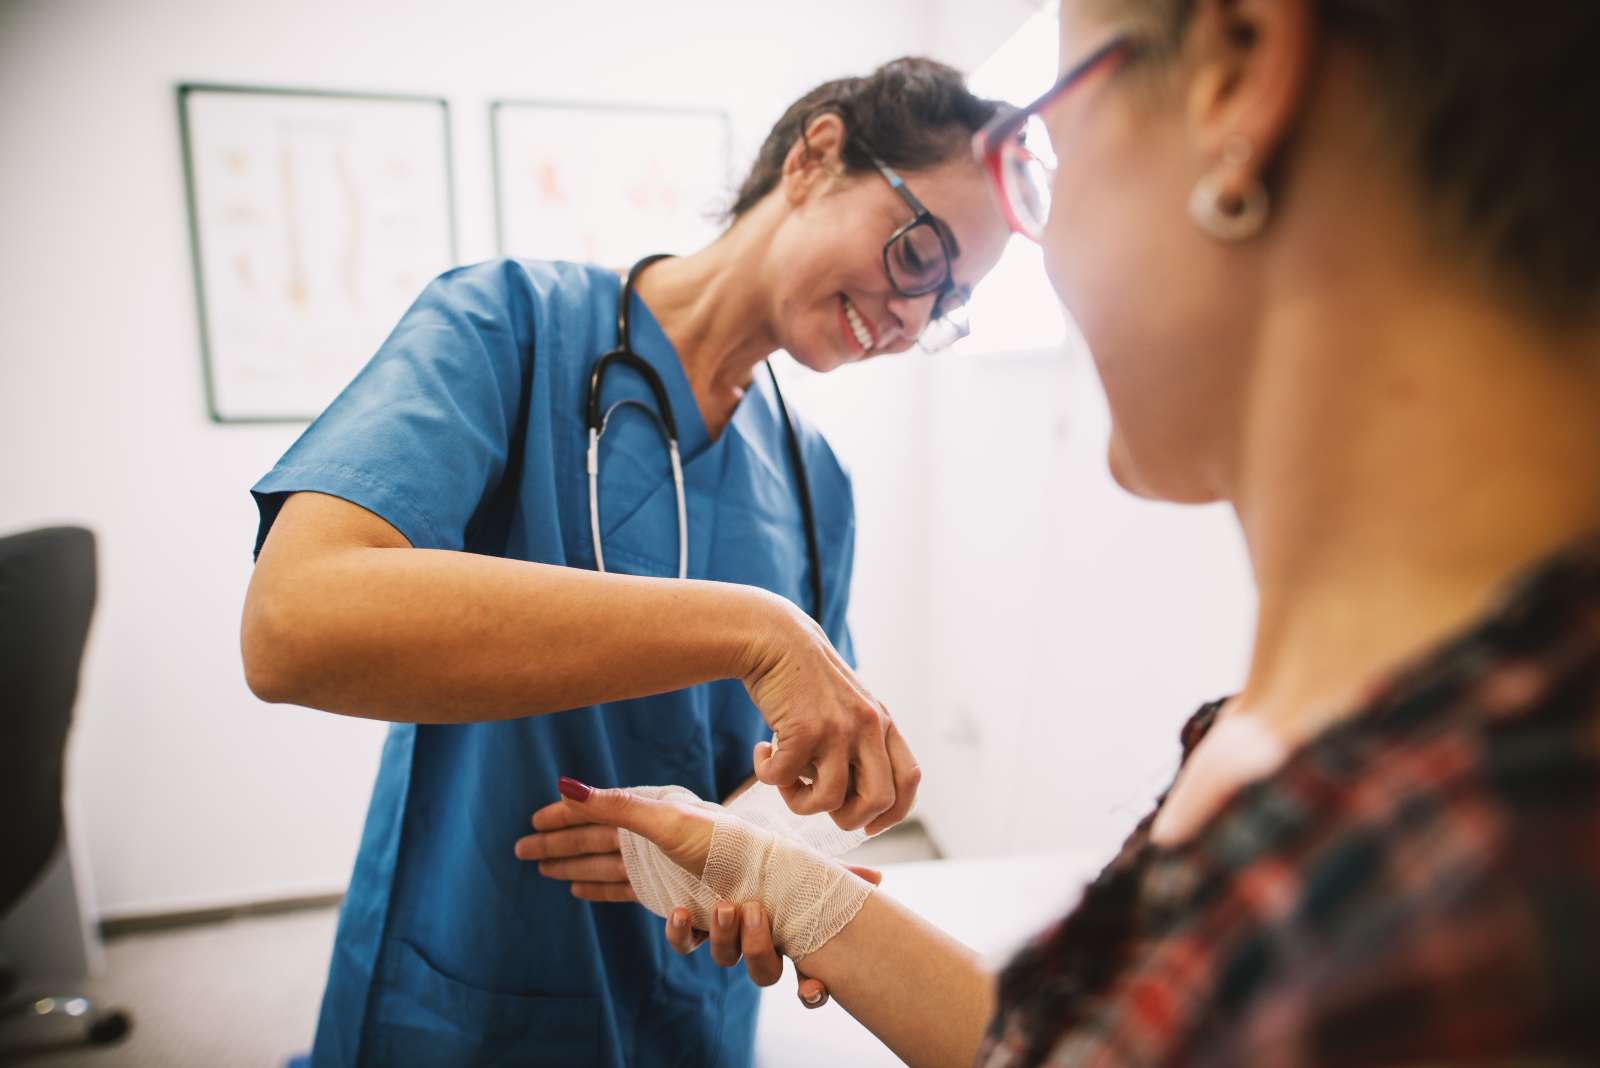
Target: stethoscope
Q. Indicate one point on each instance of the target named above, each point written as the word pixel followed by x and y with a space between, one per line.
pixel 665 422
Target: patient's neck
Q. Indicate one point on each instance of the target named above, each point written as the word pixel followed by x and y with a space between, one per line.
pixel 1408 449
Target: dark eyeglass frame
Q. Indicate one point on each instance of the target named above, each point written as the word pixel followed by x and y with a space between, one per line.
pixel 989 144
pixel 920 216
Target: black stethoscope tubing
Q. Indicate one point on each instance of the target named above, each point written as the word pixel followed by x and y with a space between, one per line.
pixel 595 421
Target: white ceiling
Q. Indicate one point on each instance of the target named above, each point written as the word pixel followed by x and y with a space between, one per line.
pixel 964 33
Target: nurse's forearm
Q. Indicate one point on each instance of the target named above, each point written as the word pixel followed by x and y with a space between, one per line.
pixel 418 635
pixel 923 994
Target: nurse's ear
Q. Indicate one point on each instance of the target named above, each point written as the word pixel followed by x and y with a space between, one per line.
pixel 813 162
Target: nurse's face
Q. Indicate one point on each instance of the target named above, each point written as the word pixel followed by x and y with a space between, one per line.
pixel 833 302
pixel 1162 308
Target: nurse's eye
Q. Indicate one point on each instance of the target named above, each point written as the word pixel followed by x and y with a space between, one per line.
pixel 910 259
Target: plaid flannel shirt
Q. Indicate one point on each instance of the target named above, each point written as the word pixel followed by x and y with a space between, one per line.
pixel 1417 885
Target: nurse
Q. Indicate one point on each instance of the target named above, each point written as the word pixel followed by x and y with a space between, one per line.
pixel 425 556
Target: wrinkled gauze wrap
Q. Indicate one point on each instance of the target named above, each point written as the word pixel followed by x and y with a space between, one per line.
pixel 760 851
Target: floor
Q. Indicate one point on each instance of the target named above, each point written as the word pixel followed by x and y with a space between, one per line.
pixel 244 993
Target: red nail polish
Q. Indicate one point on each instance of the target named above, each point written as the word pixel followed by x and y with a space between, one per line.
pixel 573 788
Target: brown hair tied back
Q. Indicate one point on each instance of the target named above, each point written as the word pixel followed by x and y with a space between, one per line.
pixel 913 113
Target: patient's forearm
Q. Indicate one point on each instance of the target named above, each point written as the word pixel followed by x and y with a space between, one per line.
pixel 925 995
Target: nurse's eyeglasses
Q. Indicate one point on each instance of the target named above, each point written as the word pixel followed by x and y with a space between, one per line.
pixel 917 260
pixel 1014 147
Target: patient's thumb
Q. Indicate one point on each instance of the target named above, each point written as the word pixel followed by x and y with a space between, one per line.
pixel 620 808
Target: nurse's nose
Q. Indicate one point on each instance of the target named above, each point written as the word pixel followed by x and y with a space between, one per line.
pixel 911 315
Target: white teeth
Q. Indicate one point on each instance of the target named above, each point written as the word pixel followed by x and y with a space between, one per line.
pixel 858 326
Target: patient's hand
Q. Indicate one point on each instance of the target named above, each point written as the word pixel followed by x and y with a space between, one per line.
pixel 586 854
pixel 571 849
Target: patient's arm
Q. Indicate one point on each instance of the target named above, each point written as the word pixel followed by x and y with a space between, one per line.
pixel 925 995
pixel 922 993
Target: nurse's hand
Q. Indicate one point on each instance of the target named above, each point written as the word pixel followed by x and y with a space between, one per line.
pixel 828 729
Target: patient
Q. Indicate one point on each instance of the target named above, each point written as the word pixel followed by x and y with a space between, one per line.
pixel 1338 264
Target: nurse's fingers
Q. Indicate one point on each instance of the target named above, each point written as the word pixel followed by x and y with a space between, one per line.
pixel 604 891
pixel 763 756
pixel 586 869
pixel 725 934
pixel 907 780
pixel 680 936
pixel 828 791
pixel 761 759
pixel 872 790
pixel 782 765
pixel 761 960
pixel 871 875
pixel 813 994
pixel 572 842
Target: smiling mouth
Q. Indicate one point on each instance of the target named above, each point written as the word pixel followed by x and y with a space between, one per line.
pixel 856 325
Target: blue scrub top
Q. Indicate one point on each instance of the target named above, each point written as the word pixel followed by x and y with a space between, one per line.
pixel 466 432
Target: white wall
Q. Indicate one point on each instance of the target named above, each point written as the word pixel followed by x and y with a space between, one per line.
pixel 1075 626
pixel 187 791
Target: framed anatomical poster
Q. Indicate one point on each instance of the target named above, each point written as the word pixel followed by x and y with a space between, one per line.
pixel 316 218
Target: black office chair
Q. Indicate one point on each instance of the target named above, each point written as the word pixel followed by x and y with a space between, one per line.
pixel 47 589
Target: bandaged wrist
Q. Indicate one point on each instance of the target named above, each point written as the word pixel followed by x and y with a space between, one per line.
pixel 808 897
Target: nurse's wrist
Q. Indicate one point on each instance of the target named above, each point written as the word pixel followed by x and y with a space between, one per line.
pixel 762 627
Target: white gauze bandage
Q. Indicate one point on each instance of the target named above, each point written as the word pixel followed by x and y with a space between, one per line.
pixel 760 851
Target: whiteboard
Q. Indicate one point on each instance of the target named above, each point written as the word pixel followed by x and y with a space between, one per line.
pixel 607 185
pixel 316 219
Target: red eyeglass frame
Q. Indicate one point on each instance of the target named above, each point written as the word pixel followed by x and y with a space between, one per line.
pixel 989 145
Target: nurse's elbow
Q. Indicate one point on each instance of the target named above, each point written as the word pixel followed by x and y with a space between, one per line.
pixel 272 668
pixel 266 679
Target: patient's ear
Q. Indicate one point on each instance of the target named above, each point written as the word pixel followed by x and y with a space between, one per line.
pixel 1250 64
